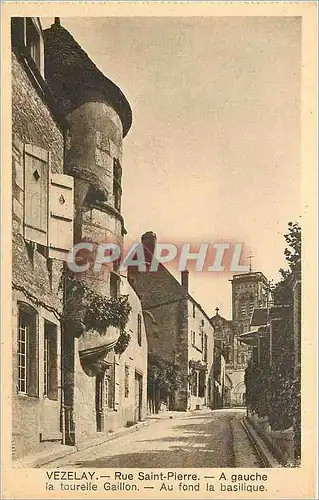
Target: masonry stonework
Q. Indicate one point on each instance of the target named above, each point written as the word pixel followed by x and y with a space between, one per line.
pixel 35 278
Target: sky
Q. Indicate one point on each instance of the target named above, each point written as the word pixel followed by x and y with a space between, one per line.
pixel 213 154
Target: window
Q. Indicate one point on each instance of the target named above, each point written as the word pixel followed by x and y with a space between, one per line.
pixel 193 337
pixel 117 178
pixel 27 36
pixel 243 309
pixel 33 41
pixel 114 284
pixel 139 329
pixel 27 352
pixel 50 370
pixel 242 358
pixel 126 381
pixel 194 310
pixel 22 352
pixel 251 304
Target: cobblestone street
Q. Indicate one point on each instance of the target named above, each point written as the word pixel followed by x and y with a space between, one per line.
pixel 202 439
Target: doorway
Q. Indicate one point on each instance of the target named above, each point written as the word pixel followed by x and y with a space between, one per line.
pixel 138 397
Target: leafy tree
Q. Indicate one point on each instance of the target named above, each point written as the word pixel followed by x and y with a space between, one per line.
pixel 274 391
pixel 282 293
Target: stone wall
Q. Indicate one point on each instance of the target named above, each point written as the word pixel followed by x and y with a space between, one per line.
pixel 197 323
pixel 35 278
pixel 134 359
pixel 281 443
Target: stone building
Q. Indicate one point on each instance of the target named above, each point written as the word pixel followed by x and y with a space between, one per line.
pixel 68 123
pixel 249 290
pixel 224 354
pixel 178 332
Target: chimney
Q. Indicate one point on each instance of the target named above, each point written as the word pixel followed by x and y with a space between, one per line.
pixel 184 275
pixel 149 240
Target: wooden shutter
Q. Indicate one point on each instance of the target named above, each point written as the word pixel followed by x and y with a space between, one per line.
pixel 36 170
pixel 61 208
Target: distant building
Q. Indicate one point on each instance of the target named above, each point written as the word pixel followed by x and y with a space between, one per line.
pixel 249 290
pixel 273 377
pixel 178 332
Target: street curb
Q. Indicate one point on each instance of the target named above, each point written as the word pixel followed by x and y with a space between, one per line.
pixel 263 451
pixel 52 456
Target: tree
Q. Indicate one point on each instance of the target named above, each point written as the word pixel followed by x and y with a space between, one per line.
pixel 282 292
pixel 293 250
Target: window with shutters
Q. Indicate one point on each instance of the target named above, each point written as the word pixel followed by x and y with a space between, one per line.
pixel 48 204
pixel 50 369
pixel 27 382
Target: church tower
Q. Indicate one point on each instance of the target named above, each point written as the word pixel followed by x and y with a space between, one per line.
pixel 249 291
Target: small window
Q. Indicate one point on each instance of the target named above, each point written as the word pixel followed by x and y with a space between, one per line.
pixel 117 179
pixel 243 307
pixel 126 381
pixel 194 310
pixel 139 329
pixel 50 370
pixel 27 352
pixel 114 284
pixel 193 337
pixel 242 358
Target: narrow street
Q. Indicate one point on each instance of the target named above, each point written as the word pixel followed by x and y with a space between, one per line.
pixel 202 439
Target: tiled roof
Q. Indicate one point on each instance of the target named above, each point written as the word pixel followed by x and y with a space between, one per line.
pixel 71 74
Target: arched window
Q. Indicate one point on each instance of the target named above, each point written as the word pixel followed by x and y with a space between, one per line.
pixel 251 304
pixel 242 307
pixel 242 358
